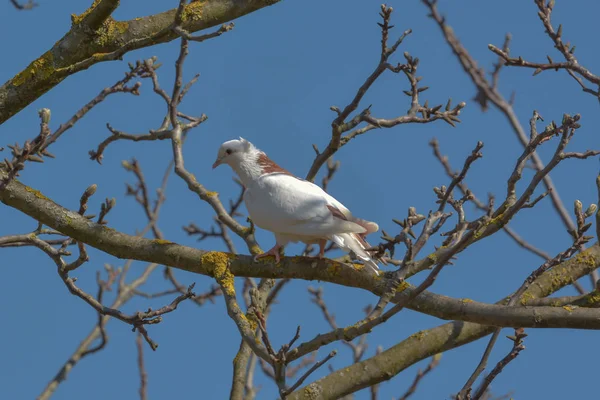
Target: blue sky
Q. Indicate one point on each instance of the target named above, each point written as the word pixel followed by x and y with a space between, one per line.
pixel 272 80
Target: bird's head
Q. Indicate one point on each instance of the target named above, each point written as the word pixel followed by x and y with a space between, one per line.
pixel 248 162
pixel 235 152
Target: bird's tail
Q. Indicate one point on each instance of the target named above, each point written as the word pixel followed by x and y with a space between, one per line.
pixel 355 243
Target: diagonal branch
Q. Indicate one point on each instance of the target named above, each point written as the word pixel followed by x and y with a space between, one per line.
pixel 301 380
pixel 125 292
pixel 515 297
pixel 110 41
pixel 85 347
pixel 435 360
pixel 421 345
pixel 98 13
pixel 345 123
pixel 567 50
pixel 486 92
pixel 517 340
pixel 35 204
pixel 462 186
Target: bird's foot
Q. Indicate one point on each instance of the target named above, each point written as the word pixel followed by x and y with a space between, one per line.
pixel 273 252
pixel 322 244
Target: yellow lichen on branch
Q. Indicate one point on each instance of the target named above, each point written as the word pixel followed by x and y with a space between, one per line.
pixel 334 269
pixel 586 259
pixel 193 11
pixel 591 299
pixel 221 272
pixel 110 31
pixel 39 69
pixel 560 277
pixel 81 47
pixel 527 297
pixel 419 335
pixel 161 241
pixel 255 249
pixel 76 19
pixel 251 320
pixel 403 286
pixel 498 221
pixel 312 392
pixel 358 266
pixel 36 193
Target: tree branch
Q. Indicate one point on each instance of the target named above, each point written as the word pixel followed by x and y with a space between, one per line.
pixel 427 343
pixel 142 369
pixel 83 349
pixel 212 263
pixel 82 47
pixel 571 64
pixel 486 92
pixel 517 340
pixel 98 13
pixel 435 360
pixel 341 124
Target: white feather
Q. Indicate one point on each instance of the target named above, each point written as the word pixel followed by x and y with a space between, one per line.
pixel 292 208
pixel 285 204
pixel 350 243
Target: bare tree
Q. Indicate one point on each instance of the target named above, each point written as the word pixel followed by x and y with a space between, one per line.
pixel 425 242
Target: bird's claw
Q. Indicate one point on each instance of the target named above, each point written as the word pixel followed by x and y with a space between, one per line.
pixel 322 244
pixel 273 252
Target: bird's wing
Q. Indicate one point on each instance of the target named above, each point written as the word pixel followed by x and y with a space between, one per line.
pixel 369 226
pixel 350 242
pixel 285 204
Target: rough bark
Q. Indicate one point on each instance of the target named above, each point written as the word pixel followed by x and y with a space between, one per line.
pixel 96 37
pixel 426 343
pixel 213 263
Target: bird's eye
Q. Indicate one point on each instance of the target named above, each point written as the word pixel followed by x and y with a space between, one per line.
pixel 228 151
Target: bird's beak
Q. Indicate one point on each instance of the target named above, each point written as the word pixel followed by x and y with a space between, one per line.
pixel 217 163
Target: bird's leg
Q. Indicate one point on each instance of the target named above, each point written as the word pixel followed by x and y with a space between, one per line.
pixel 322 243
pixel 273 252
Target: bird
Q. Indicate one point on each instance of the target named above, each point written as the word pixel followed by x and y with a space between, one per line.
pixel 293 209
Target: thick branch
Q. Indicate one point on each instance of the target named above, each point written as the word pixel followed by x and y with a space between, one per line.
pixel 425 343
pixel 99 12
pixel 95 37
pixel 211 263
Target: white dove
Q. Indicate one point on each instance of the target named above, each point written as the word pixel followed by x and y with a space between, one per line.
pixel 292 208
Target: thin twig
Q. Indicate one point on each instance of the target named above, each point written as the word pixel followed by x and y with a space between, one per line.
pixel 486 93
pixel 142 369
pixel 435 360
pixel 310 371
pixel 559 258
pixel 344 123
pixel 517 340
